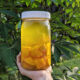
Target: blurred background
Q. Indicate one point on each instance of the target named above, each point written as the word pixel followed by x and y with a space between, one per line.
pixel 65 36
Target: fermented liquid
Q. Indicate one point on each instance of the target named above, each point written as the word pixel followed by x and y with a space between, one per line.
pixel 35 44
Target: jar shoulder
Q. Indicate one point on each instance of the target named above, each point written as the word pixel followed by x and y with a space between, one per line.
pixel 34 23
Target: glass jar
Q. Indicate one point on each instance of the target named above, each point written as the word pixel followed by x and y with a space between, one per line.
pixel 35 40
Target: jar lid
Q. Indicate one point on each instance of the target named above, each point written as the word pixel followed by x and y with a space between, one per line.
pixel 35 14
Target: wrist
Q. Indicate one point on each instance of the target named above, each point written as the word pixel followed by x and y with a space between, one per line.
pixel 46 76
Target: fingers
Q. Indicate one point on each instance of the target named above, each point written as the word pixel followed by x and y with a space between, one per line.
pixel 50 69
pixel 18 58
pixel 22 71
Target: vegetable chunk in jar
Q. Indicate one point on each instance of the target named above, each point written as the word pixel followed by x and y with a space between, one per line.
pixel 35 40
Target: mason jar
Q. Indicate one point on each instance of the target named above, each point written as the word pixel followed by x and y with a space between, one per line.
pixel 35 40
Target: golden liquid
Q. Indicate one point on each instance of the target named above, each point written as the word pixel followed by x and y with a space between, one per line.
pixel 35 45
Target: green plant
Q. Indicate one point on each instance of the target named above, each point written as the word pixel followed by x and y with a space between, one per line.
pixel 65 29
pixel 67 70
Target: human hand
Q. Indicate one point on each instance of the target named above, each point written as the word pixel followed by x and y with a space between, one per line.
pixel 34 75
